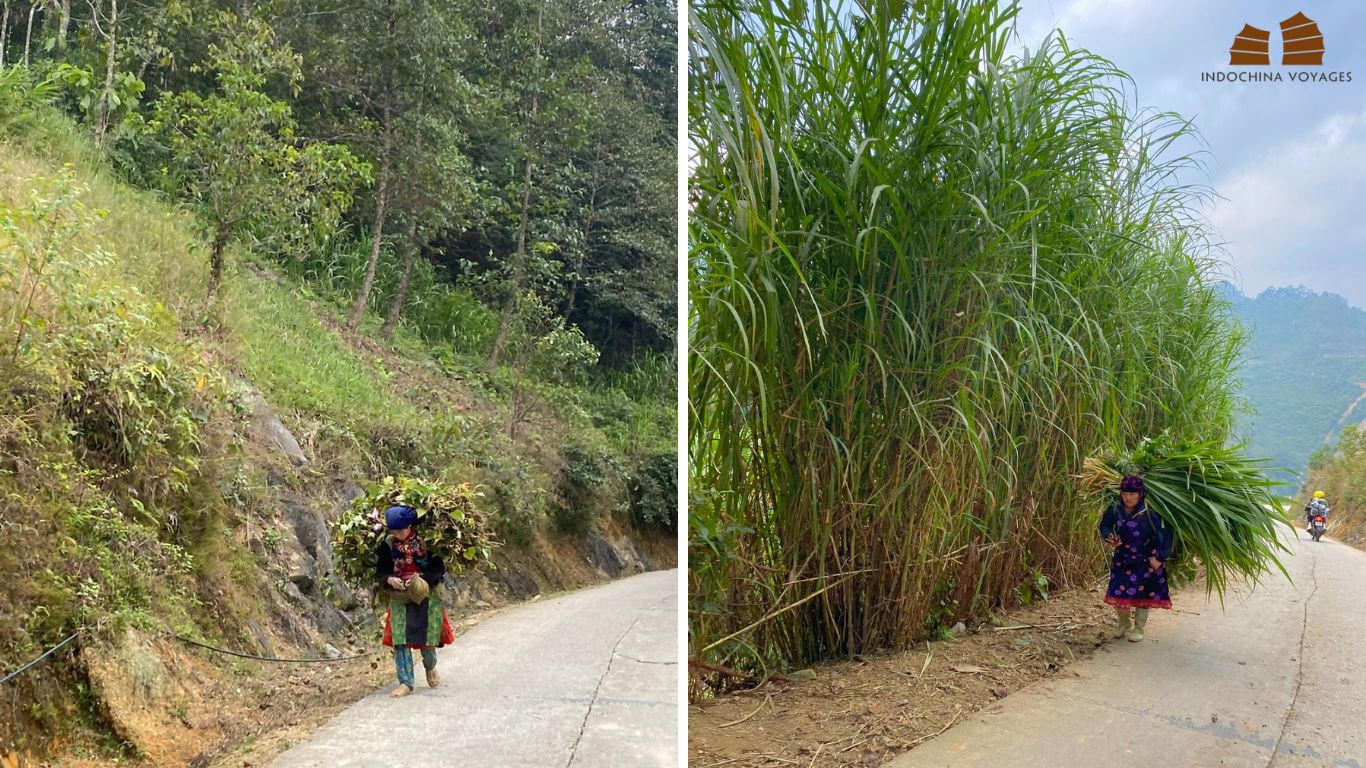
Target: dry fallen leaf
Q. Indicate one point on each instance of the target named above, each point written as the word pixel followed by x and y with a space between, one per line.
pixel 968 669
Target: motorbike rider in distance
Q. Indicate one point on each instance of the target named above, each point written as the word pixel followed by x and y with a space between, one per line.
pixel 1316 506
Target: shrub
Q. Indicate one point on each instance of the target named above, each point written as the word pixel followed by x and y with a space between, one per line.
pixel 583 474
pixel 653 492
pixel 21 98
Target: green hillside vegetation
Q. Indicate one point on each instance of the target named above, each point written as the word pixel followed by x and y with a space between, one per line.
pixel 933 277
pixel 1304 367
pixel 519 339
pixel 1339 470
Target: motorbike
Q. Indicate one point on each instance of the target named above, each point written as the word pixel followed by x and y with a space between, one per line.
pixel 1317 526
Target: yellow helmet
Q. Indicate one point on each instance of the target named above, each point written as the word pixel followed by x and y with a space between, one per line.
pixel 1318 494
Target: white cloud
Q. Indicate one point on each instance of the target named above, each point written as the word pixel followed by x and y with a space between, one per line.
pixel 1092 21
pixel 1294 215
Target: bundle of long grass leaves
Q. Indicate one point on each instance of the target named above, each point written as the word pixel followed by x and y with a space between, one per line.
pixel 1220 504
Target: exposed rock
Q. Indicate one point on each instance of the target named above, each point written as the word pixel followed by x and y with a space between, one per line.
pixel 331 652
pixel 271 431
pixel 341 595
pixel 646 564
pixel 262 640
pixel 634 561
pixel 300 567
pixel 513 580
pixel 325 617
pixel 309 528
pixel 302 580
pixel 347 490
pixel 602 554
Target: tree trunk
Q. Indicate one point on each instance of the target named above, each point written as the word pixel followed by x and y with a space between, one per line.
pixel 376 236
pixel 396 309
pixel 518 267
pixel 220 241
pixel 386 160
pixel 102 121
pixel 519 258
pixel 4 32
pixel 28 33
pixel 64 25
pixel 587 236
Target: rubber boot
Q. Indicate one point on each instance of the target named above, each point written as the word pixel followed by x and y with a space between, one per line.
pixel 1121 624
pixel 1140 618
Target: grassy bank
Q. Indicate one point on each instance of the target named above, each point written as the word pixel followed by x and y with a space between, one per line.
pixel 127 462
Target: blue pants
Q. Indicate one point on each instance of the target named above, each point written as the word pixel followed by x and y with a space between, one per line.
pixel 403 661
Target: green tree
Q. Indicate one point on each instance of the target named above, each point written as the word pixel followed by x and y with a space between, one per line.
pixel 391 84
pixel 237 155
pixel 439 193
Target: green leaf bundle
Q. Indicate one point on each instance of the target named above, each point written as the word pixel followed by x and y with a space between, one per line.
pixel 1219 503
pixel 448 521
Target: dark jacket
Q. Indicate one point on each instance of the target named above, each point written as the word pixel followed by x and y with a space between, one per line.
pixel 1154 533
pixel 433 568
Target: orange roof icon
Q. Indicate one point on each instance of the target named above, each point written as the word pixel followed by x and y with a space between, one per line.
pixel 1250 46
pixel 1302 41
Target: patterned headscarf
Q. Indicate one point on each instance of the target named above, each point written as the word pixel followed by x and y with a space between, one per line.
pixel 1133 483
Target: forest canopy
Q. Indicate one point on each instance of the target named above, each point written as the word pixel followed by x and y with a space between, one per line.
pixel 477 170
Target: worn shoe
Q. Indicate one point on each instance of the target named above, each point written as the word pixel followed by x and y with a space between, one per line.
pixel 1121 627
pixel 1140 618
pixel 400 692
pixel 433 679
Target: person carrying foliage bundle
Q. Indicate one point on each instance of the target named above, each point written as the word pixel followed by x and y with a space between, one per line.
pixel 1142 542
pixel 416 616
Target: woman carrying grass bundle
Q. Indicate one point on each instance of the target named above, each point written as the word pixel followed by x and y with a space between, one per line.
pixel 1142 543
pixel 416 617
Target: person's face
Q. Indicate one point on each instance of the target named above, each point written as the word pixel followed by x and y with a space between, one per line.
pixel 403 534
pixel 1130 498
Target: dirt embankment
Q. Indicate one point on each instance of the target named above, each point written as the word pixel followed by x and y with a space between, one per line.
pixel 863 712
pixel 172 704
pixel 142 697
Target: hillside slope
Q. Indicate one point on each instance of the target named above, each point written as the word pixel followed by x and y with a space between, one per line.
pixel 1304 368
pixel 171 465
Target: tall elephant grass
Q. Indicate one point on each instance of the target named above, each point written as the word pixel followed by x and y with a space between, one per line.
pixel 929 277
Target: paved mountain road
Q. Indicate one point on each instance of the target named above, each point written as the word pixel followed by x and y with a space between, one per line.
pixel 1277 680
pixel 585 680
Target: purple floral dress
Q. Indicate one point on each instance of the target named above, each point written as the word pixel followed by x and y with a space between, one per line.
pixel 1142 534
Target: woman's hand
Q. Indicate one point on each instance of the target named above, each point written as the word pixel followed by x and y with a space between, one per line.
pixel 1113 540
pixel 396 583
pixel 1155 564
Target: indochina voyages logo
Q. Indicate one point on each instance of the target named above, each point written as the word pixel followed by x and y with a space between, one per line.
pixel 1301 46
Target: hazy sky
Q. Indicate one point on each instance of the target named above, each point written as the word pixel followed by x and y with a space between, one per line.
pixel 1287 159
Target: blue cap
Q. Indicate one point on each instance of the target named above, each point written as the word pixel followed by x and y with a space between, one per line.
pixel 398 518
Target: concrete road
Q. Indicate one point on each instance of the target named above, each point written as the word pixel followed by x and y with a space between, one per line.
pixel 1276 680
pixel 586 680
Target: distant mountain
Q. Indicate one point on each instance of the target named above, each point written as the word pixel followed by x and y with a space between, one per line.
pixel 1304 371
